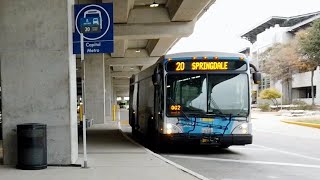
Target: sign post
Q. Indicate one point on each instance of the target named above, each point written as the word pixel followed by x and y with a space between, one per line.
pixel 84 124
pixel 94 34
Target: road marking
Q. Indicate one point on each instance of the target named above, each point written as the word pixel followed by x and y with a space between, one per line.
pixel 287 152
pixel 283 134
pixel 247 161
pixel 188 171
pixel 248 148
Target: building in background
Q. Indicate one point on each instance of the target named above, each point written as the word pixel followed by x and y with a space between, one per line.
pixel 280 30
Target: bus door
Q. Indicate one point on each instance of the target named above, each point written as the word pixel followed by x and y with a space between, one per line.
pixel 133 106
pixel 158 98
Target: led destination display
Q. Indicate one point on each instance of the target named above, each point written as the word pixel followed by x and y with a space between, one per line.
pixel 214 65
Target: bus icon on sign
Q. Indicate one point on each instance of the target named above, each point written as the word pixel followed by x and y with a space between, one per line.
pixel 96 14
pixel 95 21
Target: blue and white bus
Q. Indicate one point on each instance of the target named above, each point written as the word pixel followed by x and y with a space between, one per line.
pixel 194 97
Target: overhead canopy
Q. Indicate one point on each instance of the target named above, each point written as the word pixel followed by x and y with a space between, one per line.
pixel 295 22
pixel 142 33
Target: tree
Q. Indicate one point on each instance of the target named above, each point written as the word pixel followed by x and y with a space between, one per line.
pixel 280 62
pixel 310 42
pixel 270 94
pixel 309 47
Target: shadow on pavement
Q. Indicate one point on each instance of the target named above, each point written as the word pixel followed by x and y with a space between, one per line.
pixel 106 141
pixel 193 149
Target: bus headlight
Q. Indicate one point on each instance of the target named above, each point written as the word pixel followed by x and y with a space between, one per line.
pixel 172 128
pixel 241 129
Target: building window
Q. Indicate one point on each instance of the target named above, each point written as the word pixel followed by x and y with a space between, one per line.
pixel 265 83
pixel 305 92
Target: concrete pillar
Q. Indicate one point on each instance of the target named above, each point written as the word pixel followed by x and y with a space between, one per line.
pixel 108 92
pixel 114 99
pixel 38 75
pixel 95 88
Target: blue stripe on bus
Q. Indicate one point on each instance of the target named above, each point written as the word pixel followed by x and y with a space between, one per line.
pixel 218 124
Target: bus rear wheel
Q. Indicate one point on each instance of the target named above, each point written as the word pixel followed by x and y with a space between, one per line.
pixel 135 133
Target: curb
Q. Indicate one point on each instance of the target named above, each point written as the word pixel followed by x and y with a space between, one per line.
pixel 192 173
pixel 302 124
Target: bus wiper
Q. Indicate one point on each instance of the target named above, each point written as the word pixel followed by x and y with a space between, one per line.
pixel 223 115
pixel 217 108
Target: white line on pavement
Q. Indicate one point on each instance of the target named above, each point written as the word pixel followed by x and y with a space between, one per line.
pixel 192 173
pixel 287 152
pixel 284 134
pixel 248 148
pixel 247 161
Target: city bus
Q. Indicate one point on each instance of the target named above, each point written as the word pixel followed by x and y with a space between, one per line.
pixel 194 97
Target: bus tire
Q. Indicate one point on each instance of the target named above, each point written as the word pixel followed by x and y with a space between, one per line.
pixel 135 132
pixel 224 146
pixel 160 145
pixel 151 133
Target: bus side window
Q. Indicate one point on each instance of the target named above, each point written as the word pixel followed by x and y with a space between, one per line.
pixel 161 88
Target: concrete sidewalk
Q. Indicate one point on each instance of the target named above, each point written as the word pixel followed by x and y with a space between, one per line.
pixel 110 156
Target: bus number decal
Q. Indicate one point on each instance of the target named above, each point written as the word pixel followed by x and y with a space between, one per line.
pixel 180 66
pixel 175 107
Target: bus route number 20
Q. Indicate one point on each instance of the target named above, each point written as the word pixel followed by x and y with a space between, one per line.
pixel 180 66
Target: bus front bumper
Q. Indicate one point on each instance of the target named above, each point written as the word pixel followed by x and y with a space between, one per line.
pixel 216 140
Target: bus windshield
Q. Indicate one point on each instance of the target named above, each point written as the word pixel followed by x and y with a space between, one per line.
pixel 208 94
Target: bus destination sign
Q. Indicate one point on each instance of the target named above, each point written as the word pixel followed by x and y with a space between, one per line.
pixel 222 65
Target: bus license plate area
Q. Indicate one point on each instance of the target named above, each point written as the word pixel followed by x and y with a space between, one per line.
pixel 205 141
pixel 209 141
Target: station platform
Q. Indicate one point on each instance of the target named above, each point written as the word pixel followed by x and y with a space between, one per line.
pixel 111 155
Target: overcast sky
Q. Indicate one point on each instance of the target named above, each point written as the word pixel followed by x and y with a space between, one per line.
pixel 219 29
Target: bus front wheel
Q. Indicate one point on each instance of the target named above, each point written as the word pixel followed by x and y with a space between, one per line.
pixel 224 146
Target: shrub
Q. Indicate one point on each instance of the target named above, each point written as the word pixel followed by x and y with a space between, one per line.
pixel 264 107
pixel 301 105
pixel 270 94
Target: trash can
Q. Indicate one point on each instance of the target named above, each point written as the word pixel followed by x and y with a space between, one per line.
pixel 32 146
pixel 0 130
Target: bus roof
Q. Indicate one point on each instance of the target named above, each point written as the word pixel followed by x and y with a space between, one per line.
pixel 204 53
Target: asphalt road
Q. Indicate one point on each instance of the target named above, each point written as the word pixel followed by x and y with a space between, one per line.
pixel 279 151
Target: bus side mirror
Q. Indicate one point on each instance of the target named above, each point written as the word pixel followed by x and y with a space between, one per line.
pixel 256 76
pixel 156 79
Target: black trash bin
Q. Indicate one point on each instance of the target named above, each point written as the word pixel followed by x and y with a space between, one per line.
pixel 0 130
pixel 32 146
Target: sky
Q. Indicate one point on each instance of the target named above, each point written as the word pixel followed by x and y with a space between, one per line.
pixel 220 28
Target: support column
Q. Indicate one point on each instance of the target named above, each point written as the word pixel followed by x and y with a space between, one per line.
pixel 95 88
pixel 108 92
pixel 38 75
pixel 114 102
pixel 114 99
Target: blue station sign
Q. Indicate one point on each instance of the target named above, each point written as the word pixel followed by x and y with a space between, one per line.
pixel 95 21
